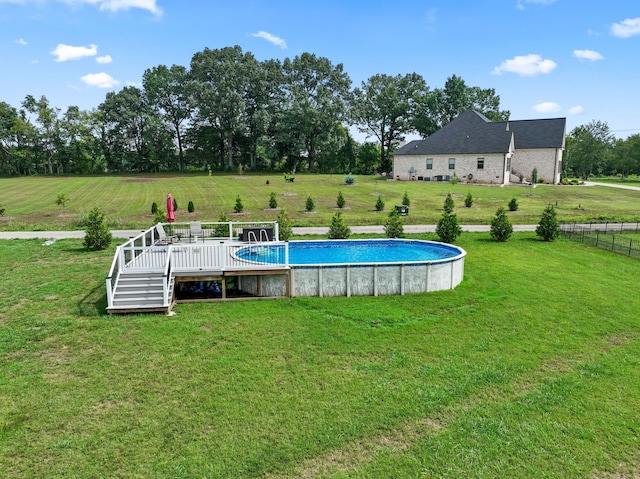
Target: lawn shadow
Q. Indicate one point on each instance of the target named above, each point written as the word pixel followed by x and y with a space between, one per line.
pixel 94 303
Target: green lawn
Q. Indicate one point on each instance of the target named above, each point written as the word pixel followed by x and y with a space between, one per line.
pixel 529 369
pixel 126 200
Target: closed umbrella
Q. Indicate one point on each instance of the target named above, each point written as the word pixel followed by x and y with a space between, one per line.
pixel 171 216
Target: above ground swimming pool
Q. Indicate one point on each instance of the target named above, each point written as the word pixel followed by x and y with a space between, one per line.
pixel 351 252
pixel 361 267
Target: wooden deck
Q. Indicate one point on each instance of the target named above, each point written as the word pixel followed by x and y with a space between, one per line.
pixel 146 268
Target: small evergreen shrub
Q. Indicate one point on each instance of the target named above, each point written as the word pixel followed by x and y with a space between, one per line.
pixel 62 200
pixel 175 205
pixel 513 204
pixel 97 235
pixel 154 208
pixel 285 230
pixel 340 201
pixel 448 204
pixel 394 227
pixel 549 228
pixel 501 229
pixel 349 180
pixel 239 207
pixel 159 217
pixel 405 199
pixel 273 202
pixel 468 200
pixel 448 228
pixel 266 182
pixel 379 204
pixel 534 176
pixel 190 207
pixel 309 204
pixel 540 180
pixel 338 228
pixel 1 210
pixel 221 230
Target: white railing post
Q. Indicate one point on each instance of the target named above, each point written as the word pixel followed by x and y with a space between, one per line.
pixel 276 230
pixel 286 253
pixel 230 230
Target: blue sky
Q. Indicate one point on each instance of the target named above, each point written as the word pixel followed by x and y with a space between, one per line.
pixel 577 59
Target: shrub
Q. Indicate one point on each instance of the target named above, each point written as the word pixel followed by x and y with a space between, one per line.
pixel 62 199
pixel 448 228
pixel 534 176
pixel 448 204
pixel 190 207
pixel 564 181
pixel 273 202
pixel 379 204
pixel 548 229
pixel 285 230
pixel 468 200
pixel 221 230
pixel 97 235
pixel 540 180
pixel 154 208
pixel 340 201
pixel 501 229
pixel 309 205
pixel 349 180
pixel 238 208
pixel 513 205
pixel 405 199
pixel 266 182
pixel 159 217
pixel 1 210
pixel 394 227
pixel 175 205
pixel 338 228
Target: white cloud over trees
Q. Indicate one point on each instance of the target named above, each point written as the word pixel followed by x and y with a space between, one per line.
pixel 526 65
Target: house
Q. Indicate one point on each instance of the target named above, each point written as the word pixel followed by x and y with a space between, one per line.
pixel 479 150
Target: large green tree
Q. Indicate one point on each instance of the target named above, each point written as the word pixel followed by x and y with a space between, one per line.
pixel 384 107
pixel 626 156
pixel 317 94
pixel 168 92
pixel 443 105
pixel 588 149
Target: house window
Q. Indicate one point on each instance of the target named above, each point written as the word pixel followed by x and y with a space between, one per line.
pixel 481 163
pixel 429 163
pixel 452 163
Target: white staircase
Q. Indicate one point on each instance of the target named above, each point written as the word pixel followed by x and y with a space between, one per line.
pixel 140 291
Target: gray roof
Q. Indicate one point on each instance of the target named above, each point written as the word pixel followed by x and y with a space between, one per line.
pixel 472 133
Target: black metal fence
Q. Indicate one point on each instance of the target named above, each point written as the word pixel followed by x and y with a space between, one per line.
pixel 605 235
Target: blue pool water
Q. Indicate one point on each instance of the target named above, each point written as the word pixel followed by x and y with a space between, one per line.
pixel 350 252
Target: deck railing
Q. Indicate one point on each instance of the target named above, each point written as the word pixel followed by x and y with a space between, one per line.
pixel 196 254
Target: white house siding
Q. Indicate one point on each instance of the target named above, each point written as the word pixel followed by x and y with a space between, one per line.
pixel 493 171
pixel 545 160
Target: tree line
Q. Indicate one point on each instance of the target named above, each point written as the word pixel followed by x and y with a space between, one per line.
pixel 592 149
pixel 229 111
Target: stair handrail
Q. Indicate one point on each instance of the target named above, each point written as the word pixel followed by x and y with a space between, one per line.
pixel 166 276
pixel 116 268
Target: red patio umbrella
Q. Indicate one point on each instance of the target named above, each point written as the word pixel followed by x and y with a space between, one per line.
pixel 171 216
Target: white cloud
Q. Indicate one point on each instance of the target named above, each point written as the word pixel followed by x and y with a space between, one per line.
pixel 110 5
pixel 526 65
pixel 547 107
pixel 115 5
pixel 521 3
pixel 67 52
pixel 271 38
pixel 104 59
pixel 626 28
pixel 576 110
pixel 101 80
pixel 587 55
pixel 21 41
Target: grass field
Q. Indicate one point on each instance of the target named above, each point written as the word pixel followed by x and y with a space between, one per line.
pixel 126 200
pixel 529 369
